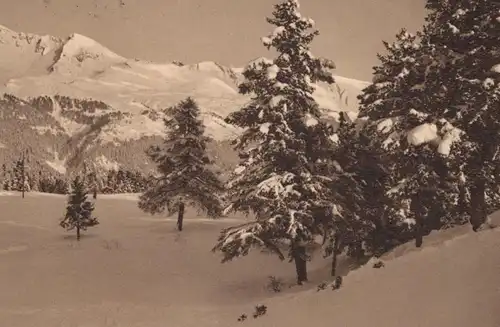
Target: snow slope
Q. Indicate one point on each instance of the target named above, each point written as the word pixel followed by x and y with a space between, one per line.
pixel 25 54
pixel 452 283
pixel 137 271
pixel 82 53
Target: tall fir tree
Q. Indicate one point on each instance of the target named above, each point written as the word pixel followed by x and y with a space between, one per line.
pixel 466 36
pixel 406 106
pixel 284 141
pixel 183 163
pixel 78 210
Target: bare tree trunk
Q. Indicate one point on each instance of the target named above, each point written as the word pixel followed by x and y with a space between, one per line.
pixel 380 237
pixel 419 232
pixel 23 177
pixel 299 256
pixel 180 216
pixel 77 233
pixel 336 244
pixel 477 204
pixel 417 207
pixel 95 193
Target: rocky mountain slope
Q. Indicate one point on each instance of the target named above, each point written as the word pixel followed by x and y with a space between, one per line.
pixel 65 100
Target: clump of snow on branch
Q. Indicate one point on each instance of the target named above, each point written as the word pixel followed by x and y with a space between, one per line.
pixel 272 71
pixel 424 133
pixel 264 128
pixel 311 121
pixel 429 133
pixel 385 125
pixel 451 136
pixel 453 28
pixel 278 31
pixel 275 101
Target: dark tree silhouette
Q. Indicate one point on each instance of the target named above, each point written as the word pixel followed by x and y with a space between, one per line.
pixel 78 210
pixel 185 178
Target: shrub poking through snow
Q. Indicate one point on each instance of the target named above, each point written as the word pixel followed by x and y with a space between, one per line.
pixel 275 284
pixel 337 283
pixel 322 286
pixel 260 310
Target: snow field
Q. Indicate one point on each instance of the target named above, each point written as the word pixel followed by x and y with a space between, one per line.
pixel 133 271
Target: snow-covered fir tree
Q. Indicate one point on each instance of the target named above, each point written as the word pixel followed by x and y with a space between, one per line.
pixel 406 107
pixel 282 148
pixel 185 178
pixel 49 183
pixel 6 178
pixel 466 35
pixel 370 224
pixel 78 210
pixel 33 182
pixel 20 173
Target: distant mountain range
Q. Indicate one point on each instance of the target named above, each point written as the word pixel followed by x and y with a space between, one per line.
pixel 65 100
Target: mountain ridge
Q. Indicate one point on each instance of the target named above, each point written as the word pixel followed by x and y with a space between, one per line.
pixel 93 103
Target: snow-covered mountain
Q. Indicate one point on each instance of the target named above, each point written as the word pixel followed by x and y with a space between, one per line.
pixel 75 97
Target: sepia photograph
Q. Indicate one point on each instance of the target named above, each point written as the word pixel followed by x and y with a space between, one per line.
pixel 264 163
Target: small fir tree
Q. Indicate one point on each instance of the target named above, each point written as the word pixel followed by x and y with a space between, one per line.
pixel 281 150
pixel 6 178
pixel 183 165
pixel 20 180
pixel 79 209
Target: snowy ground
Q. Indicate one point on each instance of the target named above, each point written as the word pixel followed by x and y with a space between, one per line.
pixel 134 270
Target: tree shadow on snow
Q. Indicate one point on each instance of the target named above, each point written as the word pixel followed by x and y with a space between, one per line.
pixel 72 237
pixel 169 228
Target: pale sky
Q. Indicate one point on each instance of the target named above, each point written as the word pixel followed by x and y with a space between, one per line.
pixel 225 31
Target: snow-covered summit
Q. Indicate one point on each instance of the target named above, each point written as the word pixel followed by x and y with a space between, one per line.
pixel 76 43
pixel 41 44
pixel 23 54
pixel 207 66
pixel 78 50
pixel 213 68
